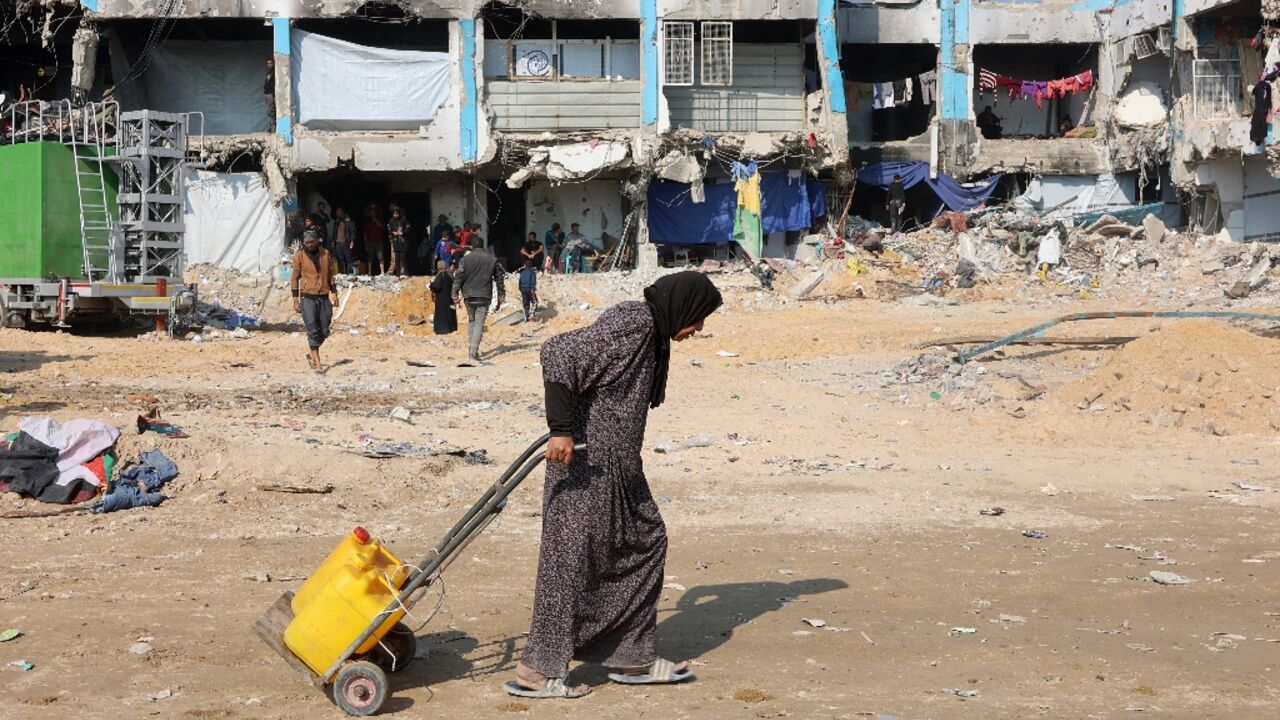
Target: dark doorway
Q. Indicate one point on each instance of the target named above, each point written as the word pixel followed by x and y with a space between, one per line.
pixel 507 225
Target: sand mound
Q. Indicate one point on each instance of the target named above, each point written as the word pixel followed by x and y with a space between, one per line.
pixel 1199 375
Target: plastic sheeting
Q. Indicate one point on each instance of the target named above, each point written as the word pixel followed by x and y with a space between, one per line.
pixel 787 204
pixel 954 195
pixel 1066 195
pixel 231 221
pixel 223 80
pixel 675 219
pixel 343 86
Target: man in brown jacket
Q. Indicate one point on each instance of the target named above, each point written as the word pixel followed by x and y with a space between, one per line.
pixel 312 282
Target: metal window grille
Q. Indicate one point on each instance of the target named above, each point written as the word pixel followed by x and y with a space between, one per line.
pixel 717 53
pixel 1217 89
pixel 677 44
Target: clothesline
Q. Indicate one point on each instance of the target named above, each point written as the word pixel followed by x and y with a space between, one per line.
pixel 1038 90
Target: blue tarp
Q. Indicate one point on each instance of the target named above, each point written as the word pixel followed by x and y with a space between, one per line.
pixel 952 193
pixel 784 203
pixel 817 198
pixel 787 203
pixel 675 219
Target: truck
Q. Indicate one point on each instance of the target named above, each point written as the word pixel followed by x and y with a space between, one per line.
pixel 91 218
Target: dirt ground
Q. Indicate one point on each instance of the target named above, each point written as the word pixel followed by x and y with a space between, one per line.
pixel 820 486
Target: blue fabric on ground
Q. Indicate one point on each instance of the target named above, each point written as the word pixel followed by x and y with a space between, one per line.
pixel 675 219
pixel 126 495
pixel 153 470
pixel 953 194
pixel 784 203
pixel 137 486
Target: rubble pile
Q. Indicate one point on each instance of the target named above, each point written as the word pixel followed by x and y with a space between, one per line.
pixel 949 381
pixel 1199 375
pixel 990 247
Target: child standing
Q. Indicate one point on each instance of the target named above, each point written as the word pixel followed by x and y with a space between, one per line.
pixel 529 288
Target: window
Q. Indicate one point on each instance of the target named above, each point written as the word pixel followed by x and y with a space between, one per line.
pixel 1217 91
pixel 677 44
pixel 717 53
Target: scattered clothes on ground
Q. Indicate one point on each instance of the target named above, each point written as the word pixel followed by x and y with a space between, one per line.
pixel 139 485
pixel 77 441
pixel 29 467
pixel 159 427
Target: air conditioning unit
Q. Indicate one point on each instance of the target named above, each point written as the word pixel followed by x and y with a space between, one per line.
pixel 1144 46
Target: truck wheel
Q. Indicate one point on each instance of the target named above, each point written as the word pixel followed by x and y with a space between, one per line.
pixel 400 648
pixel 360 688
pixel 15 319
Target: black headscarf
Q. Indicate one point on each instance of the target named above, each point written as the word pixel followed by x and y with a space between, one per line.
pixel 676 302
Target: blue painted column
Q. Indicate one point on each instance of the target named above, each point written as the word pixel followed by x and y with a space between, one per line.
pixel 650 82
pixel 832 75
pixel 955 83
pixel 469 132
pixel 283 49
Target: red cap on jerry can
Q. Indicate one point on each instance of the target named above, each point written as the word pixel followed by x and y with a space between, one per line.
pixel 361 535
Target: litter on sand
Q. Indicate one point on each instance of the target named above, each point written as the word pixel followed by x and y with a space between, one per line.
pixel 963 692
pixel 964 631
pixel 1167 578
pixel 815 622
pixel 9 634
pixel 1037 534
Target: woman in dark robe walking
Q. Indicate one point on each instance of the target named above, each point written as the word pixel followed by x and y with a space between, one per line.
pixel 604 544
pixel 446 317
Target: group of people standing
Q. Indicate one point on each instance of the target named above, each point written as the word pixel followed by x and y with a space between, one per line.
pixel 381 242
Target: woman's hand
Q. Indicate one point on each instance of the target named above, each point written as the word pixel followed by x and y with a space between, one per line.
pixel 560 450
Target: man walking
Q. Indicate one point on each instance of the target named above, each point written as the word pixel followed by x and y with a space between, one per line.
pixel 312 284
pixel 344 241
pixel 478 274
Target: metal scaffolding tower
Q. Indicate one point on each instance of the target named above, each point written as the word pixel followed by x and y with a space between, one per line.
pixel 152 151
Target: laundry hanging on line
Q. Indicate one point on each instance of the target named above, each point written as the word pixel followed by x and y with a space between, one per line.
pixel 1037 90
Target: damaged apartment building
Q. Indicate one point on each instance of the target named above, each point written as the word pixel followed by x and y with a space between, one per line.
pixel 648 121
pixel 1083 105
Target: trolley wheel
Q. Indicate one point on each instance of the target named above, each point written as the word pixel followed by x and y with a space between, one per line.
pixel 360 688
pixel 401 648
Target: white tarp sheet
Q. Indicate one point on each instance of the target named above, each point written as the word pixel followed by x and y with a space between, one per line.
pixel 231 221
pixel 343 86
pixel 1064 195
pixel 223 80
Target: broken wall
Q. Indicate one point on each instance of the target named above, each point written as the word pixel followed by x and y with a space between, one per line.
pixel 1227 177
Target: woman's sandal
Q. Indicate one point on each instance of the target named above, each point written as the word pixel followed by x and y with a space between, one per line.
pixel 552 688
pixel 661 672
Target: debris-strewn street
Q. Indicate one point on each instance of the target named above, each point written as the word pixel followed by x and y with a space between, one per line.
pixel 860 526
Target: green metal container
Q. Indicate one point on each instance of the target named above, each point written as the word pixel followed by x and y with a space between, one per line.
pixel 40 211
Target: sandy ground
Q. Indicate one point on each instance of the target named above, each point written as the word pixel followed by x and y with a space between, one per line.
pixel 830 492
